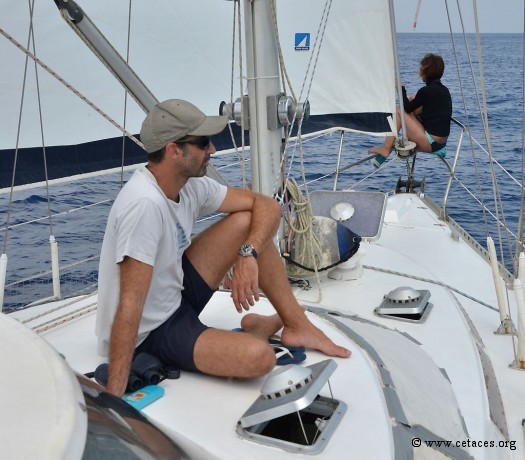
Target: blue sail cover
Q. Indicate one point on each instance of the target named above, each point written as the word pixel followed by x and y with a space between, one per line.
pixel 352 86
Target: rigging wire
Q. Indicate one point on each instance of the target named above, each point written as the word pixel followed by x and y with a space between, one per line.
pixel 39 101
pixel 483 116
pixel 519 238
pixel 496 193
pixel 286 82
pixel 70 87
pixel 414 24
pixel 241 90
pixel 53 244
pixel 19 125
pixel 284 73
pixel 403 139
pixel 236 34
pixel 317 49
pixel 312 64
pixel 497 196
pixel 285 79
pixel 463 98
pixel 125 102
pixel 313 58
pixel 519 243
pixel 15 162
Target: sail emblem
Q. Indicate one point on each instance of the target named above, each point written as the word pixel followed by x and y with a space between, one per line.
pixel 302 41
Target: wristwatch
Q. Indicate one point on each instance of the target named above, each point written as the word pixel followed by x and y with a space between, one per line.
pixel 247 250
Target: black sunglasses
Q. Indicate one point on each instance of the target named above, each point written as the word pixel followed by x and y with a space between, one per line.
pixel 202 142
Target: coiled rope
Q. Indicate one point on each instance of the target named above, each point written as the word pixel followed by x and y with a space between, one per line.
pixel 307 250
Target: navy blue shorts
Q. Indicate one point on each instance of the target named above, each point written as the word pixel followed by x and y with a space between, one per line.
pixel 174 340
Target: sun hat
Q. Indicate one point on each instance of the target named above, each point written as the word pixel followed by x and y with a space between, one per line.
pixel 174 119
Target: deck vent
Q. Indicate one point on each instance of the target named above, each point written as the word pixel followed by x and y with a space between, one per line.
pixel 290 414
pixel 406 304
pixel 286 380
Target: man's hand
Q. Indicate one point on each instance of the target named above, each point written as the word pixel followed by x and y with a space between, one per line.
pixel 245 283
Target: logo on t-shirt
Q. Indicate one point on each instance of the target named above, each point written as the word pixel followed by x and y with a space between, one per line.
pixel 182 238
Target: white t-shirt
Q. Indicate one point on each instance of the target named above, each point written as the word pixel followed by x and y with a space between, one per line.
pixel 147 226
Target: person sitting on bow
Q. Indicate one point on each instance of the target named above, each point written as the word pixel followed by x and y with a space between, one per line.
pixel 427 114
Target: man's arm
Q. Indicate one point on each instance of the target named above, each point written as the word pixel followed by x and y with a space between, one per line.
pixel 265 211
pixel 135 279
pixel 265 217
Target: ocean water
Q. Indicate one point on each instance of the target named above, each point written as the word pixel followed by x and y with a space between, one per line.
pixel 79 209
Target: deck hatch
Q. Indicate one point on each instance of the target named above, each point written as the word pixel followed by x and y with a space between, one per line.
pixel 299 420
pixel 368 210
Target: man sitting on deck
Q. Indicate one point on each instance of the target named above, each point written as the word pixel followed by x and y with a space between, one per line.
pixel 154 280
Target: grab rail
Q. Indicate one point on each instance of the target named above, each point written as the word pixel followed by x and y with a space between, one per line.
pixel 443 212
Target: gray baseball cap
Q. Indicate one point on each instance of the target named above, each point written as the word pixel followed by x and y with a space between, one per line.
pixel 174 119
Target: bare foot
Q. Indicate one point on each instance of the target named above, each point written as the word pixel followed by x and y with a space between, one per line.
pixel 309 336
pixel 380 150
pixel 260 325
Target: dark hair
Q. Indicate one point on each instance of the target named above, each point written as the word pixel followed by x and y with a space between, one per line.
pixel 156 157
pixel 432 67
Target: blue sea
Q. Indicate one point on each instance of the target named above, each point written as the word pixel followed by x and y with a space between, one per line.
pixel 79 209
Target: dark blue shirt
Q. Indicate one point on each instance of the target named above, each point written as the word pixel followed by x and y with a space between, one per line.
pixel 436 102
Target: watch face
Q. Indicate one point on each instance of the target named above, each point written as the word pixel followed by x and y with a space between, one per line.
pixel 246 250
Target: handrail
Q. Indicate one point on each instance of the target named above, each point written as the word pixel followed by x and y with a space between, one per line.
pixel 443 212
pixel 457 122
pixel 228 165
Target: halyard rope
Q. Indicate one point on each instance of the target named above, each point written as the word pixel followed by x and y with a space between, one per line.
pixel 65 318
pixel 61 307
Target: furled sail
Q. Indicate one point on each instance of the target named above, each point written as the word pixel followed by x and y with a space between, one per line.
pixel 179 49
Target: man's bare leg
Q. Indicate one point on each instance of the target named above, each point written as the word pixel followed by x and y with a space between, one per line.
pixel 219 352
pixel 298 330
pixel 228 353
pixel 233 354
pixel 262 326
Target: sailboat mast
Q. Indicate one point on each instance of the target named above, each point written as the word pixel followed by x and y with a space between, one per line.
pixel 263 88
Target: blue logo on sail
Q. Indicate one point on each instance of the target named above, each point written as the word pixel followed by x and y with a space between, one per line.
pixel 302 41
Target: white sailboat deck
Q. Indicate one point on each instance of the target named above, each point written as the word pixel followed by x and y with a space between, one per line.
pixel 201 412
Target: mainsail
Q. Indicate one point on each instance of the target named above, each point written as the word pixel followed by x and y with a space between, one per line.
pixel 349 56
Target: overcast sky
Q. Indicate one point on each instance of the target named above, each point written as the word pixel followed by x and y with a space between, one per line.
pixel 493 15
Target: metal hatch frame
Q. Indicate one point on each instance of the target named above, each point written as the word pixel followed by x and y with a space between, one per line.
pixel 307 399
